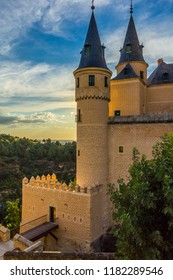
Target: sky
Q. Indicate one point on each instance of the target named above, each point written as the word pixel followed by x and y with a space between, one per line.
pixel 40 44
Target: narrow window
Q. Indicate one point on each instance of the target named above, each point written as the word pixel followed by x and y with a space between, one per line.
pixel 77 82
pixel 78 153
pixel 128 48
pixel 78 116
pixel 74 219
pixel 121 149
pixel 142 74
pixel 106 81
pixel 91 80
pixel 117 113
pixel 103 50
pixel 87 49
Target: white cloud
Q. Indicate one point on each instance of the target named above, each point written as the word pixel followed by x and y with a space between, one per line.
pixel 25 87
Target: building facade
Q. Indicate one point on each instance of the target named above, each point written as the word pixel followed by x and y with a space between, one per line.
pixel 113 116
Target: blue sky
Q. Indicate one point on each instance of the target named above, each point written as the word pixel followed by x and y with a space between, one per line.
pixel 40 44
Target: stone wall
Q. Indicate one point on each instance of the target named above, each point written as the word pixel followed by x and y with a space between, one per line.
pixel 141 132
pixel 4 234
pixel 78 210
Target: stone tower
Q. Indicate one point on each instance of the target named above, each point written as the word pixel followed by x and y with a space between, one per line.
pixel 92 96
pixel 128 88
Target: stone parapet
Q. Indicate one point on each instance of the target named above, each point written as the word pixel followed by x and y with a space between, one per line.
pixel 50 182
pixel 165 118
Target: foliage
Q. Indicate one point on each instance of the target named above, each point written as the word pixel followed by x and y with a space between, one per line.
pixel 12 218
pixel 144 205
pixel 20 157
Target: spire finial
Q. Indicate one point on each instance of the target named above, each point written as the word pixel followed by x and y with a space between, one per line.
pixel 131 7
pixel 92 7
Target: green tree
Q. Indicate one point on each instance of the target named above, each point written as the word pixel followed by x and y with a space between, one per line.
pixel 143 207
pixel 12 219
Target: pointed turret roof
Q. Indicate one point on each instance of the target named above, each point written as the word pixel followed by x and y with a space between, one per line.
pixel 132 50
pixel 92 54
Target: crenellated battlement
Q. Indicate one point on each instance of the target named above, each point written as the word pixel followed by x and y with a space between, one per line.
pixel 51 182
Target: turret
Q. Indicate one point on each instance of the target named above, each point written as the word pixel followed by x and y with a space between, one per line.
pixel 92 96
pixel 128 88
pixel 132 51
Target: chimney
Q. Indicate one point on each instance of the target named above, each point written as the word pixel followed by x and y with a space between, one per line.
pixel 159 61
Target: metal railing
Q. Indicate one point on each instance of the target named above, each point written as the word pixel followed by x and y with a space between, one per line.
pixel 34 223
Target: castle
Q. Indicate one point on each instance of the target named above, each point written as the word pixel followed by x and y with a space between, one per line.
pixel 113 116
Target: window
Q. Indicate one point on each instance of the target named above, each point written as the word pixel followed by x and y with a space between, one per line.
pixel 117 113
pixel 78 153
pixel 103 50
pixel 77 82
pixel 78 116
pixel 87 49
pixel 91 80
pixel 106 81
pixel 165 77
pixel 142 74
pixel 121 149
pixel 128 48
pixel 126 71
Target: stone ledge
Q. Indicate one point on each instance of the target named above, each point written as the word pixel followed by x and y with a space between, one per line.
pixel 138 119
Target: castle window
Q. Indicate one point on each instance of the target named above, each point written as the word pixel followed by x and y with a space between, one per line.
pixel 103 50
pixel 106 81
pixel 87 49
pixel 78 116
pixel 128 48
pixel 126 71
pixel 121 149
pixel 165 77
pixel 141 74
pixel 77 82
pixel 117 113
pixel 91 80
pixel 81 220
pixel 74 219
pixel 78 153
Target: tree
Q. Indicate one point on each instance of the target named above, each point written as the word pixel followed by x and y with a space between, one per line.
pixel 143 207
pixel 12 218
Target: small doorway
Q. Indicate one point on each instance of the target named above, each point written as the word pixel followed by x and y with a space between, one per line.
pixel 52 214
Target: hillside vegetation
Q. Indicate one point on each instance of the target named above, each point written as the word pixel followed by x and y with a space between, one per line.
pixel 20 157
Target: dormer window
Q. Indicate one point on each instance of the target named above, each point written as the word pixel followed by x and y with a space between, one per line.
pixel 87 49
pixel 126 71
pixel 165 77
pixel 128 48
pixel 103 50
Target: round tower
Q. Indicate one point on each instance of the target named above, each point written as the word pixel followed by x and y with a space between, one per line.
pixel 92 97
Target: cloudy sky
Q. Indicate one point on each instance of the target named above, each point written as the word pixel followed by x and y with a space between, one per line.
pixel 40 44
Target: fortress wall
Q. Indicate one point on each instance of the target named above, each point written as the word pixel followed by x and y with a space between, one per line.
pixel 142 136
pixel 159 99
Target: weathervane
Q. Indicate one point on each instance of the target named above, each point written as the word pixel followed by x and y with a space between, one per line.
pixel 92 7
pixel 131 8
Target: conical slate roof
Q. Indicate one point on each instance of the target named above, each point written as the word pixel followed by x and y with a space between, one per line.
pixel 132 50
pixel 92 54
